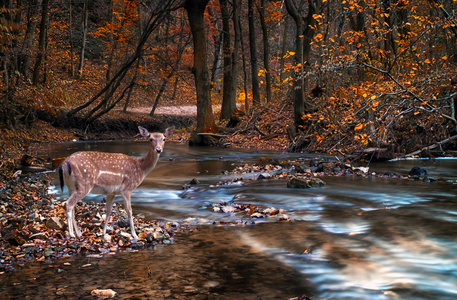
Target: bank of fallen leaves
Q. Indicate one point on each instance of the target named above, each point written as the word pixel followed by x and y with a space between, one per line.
pixel 32 221
pixel 263 128
pixel 32 226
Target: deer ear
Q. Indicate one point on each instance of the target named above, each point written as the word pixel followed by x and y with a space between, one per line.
pixel 169 131
pixel 144 132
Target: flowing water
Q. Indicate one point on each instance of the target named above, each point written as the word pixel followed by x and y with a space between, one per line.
pixel 355 238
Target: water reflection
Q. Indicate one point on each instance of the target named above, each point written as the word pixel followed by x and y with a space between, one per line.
pixel 356 238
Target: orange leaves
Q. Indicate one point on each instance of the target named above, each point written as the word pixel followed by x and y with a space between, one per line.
pixel 289 54
pixel 363 138
pixel 318 37
pixel 359 127
pixel 306 116
pixel 319 137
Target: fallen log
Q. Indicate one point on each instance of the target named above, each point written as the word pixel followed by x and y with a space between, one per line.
pixel 219 136
pixel 259 130
pixel 438 144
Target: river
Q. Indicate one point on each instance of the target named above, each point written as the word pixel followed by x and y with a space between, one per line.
pixel 355 238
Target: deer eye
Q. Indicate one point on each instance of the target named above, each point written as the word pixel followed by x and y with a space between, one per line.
pixel 164 139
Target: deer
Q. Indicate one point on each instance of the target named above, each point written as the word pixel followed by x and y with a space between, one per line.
pixel 108 174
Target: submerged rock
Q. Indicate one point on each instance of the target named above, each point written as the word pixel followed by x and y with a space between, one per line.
pixel 194 181
pixel 316 182
pixel 264 175
pixel 297 183
pixel 304 183
pixel 300 168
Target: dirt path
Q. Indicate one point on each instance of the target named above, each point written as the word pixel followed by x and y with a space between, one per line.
pixel 181 110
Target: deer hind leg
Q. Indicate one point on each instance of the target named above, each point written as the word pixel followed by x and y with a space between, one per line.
pixel 75 197
pixel 128 209
pixel 109 206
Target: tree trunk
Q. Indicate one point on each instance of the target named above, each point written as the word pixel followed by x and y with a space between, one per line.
pixel 252 47
pixel 41 42
pixel 23 57
pixel 228 95
pixel 216 60
pixel 195 12
pixel 391 34
pixel 298 96
pixel 111 40
pixel 217 37
pixel 283 74
pixel 236 46
pixel 310 26
pixel 303 38
pixel 266 50
pixel 83 46
pixel 245 72
pixel 72 63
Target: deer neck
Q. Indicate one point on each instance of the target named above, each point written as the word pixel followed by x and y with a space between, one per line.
pixel 149 161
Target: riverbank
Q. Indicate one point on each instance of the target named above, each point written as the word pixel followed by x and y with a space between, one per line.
pixel 33 226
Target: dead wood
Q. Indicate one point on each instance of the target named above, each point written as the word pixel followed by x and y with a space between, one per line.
pixel 438 144
pixel 219 136
pixel 259 130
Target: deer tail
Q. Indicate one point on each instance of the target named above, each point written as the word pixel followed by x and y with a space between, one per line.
pixel 61 170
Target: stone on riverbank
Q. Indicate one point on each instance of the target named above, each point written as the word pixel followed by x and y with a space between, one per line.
pixel 55 223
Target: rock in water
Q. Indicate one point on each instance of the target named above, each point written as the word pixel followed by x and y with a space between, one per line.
pixel 300 168
pixel 316 182
pixel 264 175
pixel 297 183
pixel 194 181
pixel 304 183
pixel 417 171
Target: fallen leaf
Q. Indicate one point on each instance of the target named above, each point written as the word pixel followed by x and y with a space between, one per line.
pixel 109 293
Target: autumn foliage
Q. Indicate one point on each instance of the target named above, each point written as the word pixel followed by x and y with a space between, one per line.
pixel 366 74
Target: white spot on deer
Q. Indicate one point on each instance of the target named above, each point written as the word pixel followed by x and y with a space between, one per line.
pixel 109 173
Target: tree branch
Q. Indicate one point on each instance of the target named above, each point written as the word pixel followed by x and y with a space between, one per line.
pixel 432 146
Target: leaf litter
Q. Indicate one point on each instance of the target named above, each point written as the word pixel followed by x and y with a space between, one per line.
pixel 32 226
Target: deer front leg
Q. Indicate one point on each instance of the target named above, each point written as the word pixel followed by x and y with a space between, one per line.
pixel 128 209
pixel 109 206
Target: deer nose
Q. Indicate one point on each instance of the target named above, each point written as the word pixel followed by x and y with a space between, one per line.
pixel 158 150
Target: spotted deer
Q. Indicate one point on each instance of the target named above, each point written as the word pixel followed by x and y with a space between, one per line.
pixel 109 174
